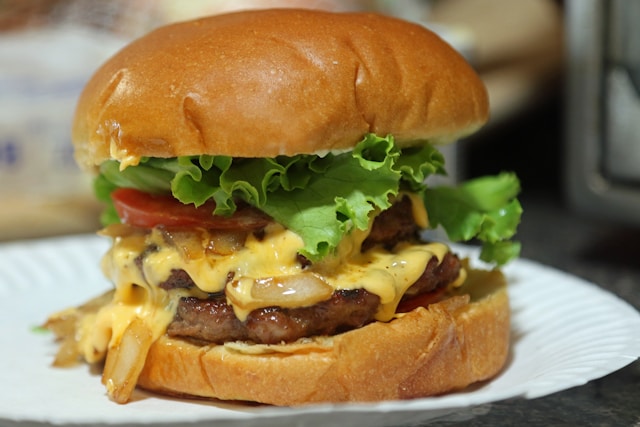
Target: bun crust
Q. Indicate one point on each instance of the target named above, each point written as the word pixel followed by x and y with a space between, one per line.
pixel 446 347
pixel 275 82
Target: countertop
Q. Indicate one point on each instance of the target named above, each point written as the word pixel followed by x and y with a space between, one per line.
pixel 600 252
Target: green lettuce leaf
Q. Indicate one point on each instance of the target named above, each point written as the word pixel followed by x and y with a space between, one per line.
pixel 319 198
pixel 484 208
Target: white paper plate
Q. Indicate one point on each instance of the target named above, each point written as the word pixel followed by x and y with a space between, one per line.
pixel 565 332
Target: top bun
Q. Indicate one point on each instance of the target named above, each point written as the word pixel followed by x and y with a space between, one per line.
pixel 275 82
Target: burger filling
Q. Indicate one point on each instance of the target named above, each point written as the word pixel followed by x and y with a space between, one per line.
pixel 212 319
pixel 220 250
pixel 249 283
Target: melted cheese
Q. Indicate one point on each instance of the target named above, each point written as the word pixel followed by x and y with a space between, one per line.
pixel 385 274
pixel 134 297
pixel 136 277
pixel 418 210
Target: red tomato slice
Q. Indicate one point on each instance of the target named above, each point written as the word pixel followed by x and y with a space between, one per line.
pixel 421 300
pixel 146 210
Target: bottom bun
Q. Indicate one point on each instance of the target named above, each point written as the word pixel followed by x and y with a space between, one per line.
pixel 428 351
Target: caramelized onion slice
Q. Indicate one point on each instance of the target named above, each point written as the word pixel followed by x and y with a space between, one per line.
pixel 65 325
pixel 197 243
pixel 291 291
pixel 297 290
pixel 125 361
pixel 121 230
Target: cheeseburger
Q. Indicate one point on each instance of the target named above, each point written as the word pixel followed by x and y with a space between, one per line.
pixel 266 181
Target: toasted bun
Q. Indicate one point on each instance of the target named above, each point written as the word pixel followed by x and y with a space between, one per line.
pixel 446 347
pixel 275 82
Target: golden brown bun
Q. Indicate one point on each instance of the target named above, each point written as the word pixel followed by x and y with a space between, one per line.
pixel 275 82
pixel 425 352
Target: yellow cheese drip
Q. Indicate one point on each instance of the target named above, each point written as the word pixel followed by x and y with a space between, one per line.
pixel 134 297
pixel 386 274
